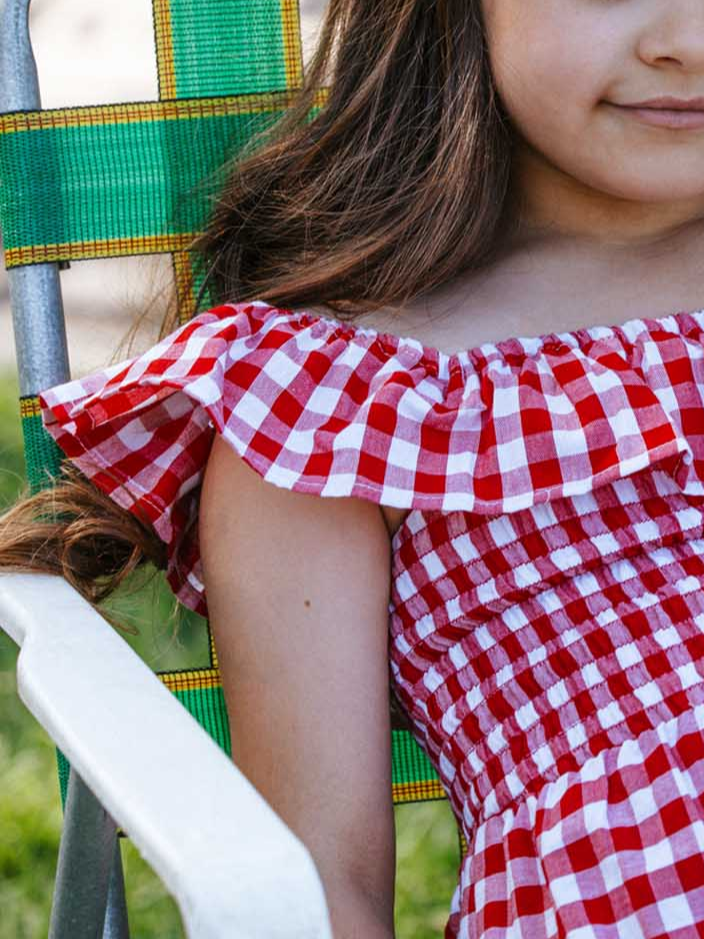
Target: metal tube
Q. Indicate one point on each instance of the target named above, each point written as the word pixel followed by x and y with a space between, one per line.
pixel 86 858
pixel 35 290
pixel 116 924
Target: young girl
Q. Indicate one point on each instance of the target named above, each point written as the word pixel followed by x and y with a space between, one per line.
pixel 511 529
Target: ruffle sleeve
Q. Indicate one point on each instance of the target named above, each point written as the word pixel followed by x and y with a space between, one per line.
pixel 327 408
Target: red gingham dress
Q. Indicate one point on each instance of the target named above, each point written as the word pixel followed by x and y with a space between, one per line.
pixel 546 623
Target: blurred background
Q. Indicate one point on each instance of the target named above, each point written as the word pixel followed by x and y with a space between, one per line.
pixel 90 53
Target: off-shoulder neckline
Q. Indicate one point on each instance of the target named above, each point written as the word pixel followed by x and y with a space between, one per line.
pixel 575 338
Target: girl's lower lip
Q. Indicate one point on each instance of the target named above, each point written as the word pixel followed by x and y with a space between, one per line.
pixel 661 117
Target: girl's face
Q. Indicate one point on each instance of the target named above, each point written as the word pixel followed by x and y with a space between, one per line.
pixel 565 68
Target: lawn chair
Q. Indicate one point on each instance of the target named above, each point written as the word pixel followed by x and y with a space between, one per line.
pixel 144 754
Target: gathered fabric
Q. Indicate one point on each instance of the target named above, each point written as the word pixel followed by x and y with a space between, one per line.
pixel 546 619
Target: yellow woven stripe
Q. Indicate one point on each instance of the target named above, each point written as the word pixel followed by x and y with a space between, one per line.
pixel 321 96
pixel 291 27
pixel 136 112
pixel 139 111
pixel 418 791
pixel 183 276
pixel 213 650
pixel 29 407
pixel 464 847
pixel 191 680
pixel 103 247
pixel 164 49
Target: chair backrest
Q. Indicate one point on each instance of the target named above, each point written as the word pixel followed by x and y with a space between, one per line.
pixel 119 179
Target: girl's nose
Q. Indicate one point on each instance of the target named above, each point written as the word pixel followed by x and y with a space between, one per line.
pixel 674 36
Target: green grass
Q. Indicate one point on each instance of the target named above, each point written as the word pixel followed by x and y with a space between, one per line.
pixel 30 805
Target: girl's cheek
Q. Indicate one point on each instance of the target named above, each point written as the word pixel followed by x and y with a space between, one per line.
pixel 554 86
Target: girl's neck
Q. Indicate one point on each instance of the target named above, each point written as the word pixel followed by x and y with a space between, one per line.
pixel 553 284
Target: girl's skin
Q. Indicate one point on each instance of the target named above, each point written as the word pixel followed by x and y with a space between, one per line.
pixel 298 586
pixel 613 208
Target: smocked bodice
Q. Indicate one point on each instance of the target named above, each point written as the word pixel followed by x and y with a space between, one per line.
pixel 546 617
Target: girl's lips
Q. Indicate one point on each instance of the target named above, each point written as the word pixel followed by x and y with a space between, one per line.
pixel 662 117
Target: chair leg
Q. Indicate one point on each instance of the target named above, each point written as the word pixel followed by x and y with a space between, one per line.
pixel 85 863
pixel 116 925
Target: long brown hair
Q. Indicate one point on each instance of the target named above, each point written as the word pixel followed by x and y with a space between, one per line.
pixel 399 183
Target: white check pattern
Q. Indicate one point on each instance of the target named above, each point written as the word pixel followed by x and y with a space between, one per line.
pixel 547 612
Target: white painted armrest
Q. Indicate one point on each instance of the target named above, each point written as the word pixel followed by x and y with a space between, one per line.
pixel 235 869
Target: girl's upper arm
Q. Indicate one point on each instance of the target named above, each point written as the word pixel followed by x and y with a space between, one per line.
pixel 298 590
